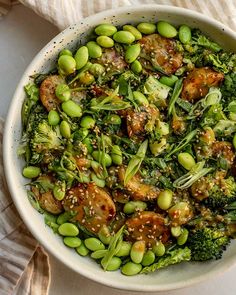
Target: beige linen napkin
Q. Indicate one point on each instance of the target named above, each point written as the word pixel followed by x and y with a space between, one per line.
pixel 24 266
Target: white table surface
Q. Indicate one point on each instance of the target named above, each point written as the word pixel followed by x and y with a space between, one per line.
pixel 22 35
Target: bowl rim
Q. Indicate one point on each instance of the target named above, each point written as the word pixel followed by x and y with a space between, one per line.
pixel 8 133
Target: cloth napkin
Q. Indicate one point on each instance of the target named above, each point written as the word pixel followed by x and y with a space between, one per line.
pixel 24 265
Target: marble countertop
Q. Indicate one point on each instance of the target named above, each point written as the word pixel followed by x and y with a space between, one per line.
pixel 22 35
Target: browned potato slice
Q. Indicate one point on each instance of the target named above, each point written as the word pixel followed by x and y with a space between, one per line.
pixel 180 213
pixel 47 92
pixel 223 149
pixel 112 61
pixel 138 191
pixel 147 226
pixel 200 189
pixel 196 85
pixel 93 204
pixel 162 52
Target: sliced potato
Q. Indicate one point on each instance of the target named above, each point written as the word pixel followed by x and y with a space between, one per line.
pixel 47 92
pixel 93 204
pixel 147 226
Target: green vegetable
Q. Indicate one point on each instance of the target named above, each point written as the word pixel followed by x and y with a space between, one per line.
pixel 53 118
pixel 114 264
pixel 105 41
pixel 116 155
pixel 185 34
pixel 65 129
pixel 98 254
pixel 87 122
pixel 164 199
pixel 94 50
pixel 124 37
pixel 133 31
pixel 81 57
pixel 94 244
pixel 146 28
pixel 67 64
pixel 82 249
pixel 124 249
pixel 159 249
pixel 148 258
pixel 168 80
pixel 132 206
pixel 72 242
pixel 182 239
pixel 63 92
pixel 175 95
pixel 136 67
pixel 132 53
pixel 68 229
pixel 31 172
pixel 105 30
pixel 71 109
pixel 186 160
pixel 166 30
pixel 131 269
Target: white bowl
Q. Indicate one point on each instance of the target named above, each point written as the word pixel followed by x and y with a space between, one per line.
pixel 174 277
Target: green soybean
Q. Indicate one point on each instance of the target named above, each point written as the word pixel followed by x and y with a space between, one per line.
pixel 63 92
pixel 31 172
pixel 98 181
pixel 132 206
pixel 113 119
pixel 71 108
pixel 68 229
pixel 66 52
pixel 113 264
pixel 124 37
pixel 169 81
pixel 94 244
pixel 88 143
pixel 116 155
pixel 234 141
pixel 59 191
pixel 136 67
pixel 186 160
pixel 185 34
pixel 124 249
pixel 166 30
pixel 105 30
pixel 133 31
pixel 87 122
pixel 182 239
pixel 132 53
pixel 98 254
pixel 81 57
pixel 82 250
pixel 146 28
pixel 72 242
pixel 148 258
pixel 53 118
pixel 164 199
pixel 65 129
pixel 65 216
pixel 96 69
pixel 104 235
pixel 137 251
pixel 159 249
pixel 176 231
pixel 94 50
pixel 105 41
pixel 67 64
pixel 140 98
pixel 97 155
pixel 131 268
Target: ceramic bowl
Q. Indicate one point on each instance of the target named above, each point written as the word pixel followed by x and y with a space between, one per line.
pixel 174 277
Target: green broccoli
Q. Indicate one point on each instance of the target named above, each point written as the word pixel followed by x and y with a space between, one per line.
pixel 207 243
pixel 228 88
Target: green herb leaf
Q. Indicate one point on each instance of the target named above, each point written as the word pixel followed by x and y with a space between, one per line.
pixel 176 92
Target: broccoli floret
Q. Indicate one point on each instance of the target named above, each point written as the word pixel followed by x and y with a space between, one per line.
pixel 45 138
pixel 228 88
pixel 207 243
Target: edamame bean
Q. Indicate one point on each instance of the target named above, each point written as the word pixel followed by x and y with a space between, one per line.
pixel 114 264
pixel 94 50
pixel 72 242
pixel 148 258
pixel 116 155
pixel 97 155
pixel 133 206
pixel 67 64
pixel 124 37
pixel 63 92
pixel 105 41
pixel 159 249
pixel 132 53
pixel 86 78
pixel 98 181
pixel 140 98
pixel 68 229
pixel 169 81
pixel 65 216
pixel 166 30
pixel 98 254
pixel 104 235
pixel 182 239
pixel 80 134
pixel 234 141
pixel 186 160
pixel 96 69
pixel 31 172
pixel 137 251
pixel 105 30
pixel 87 122
pixel 66 52
pixel 164 199
pixel 131 269
pixel 124 249
pixel 71 108
pixel 176 231
pixel 82 250
pixel 81 57
pixel 136 67
pixel 133 31
pixel 113 119
pixel 53 118
pixel 146 28
pixel 185 34
pixel 65 129
pixel 59 191
pixel 87 142
pixel 94 244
